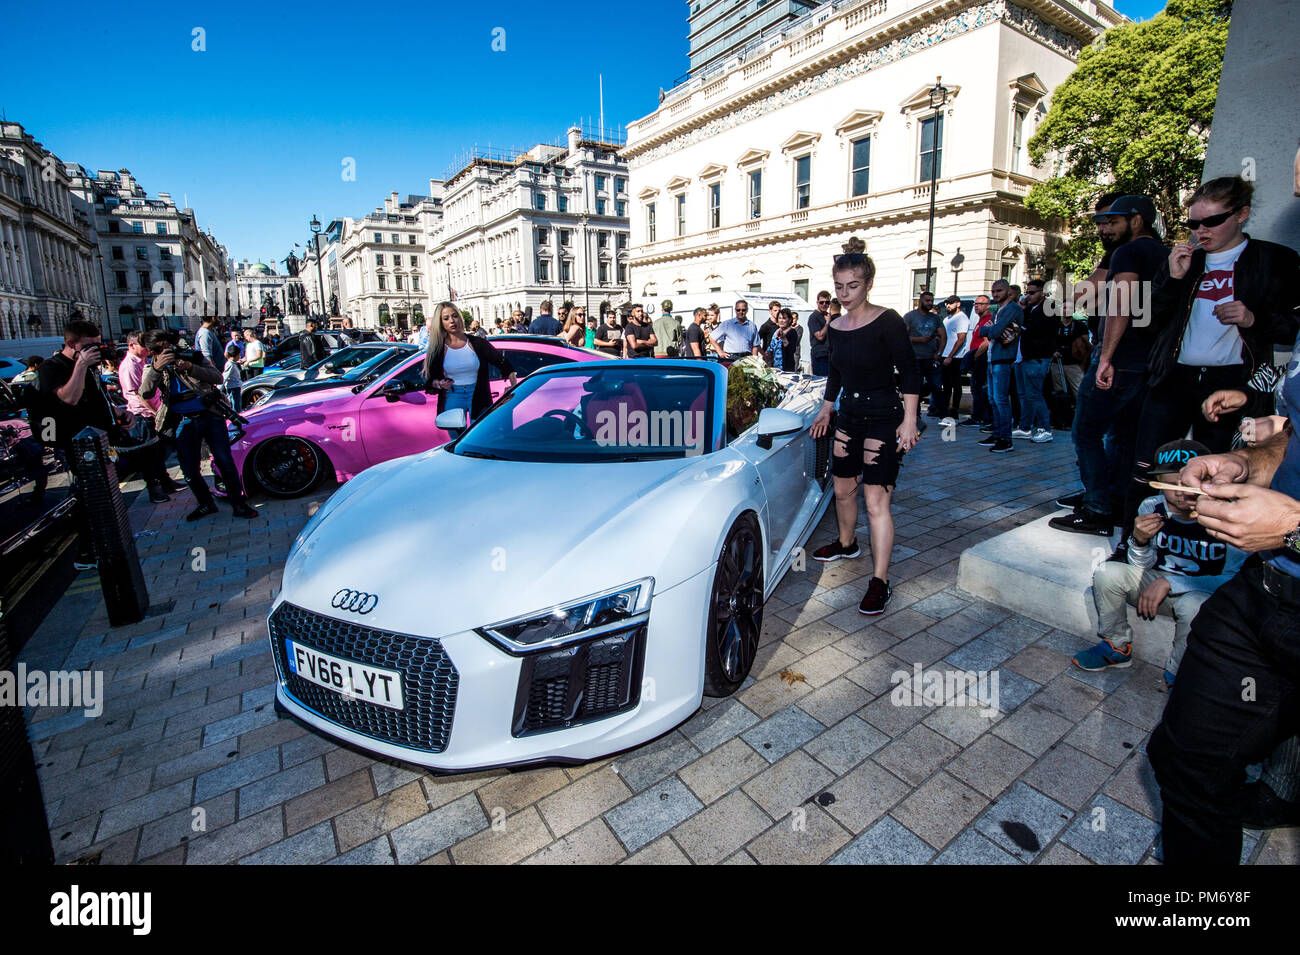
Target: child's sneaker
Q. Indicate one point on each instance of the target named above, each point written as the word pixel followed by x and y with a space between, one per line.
pixel 1104 656
pixel 1169 680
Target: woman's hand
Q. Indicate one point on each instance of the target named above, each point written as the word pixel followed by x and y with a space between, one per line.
pixel 1180 259
pixel 907 435
pixel 821 422
pixel 1224 401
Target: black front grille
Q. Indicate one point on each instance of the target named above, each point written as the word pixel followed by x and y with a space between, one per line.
pixel 580 683
pixel 429 680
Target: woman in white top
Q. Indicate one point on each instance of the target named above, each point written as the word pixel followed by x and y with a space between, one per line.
pixel 456 364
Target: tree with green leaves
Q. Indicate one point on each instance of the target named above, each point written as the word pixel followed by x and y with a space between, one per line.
pixel 1133 117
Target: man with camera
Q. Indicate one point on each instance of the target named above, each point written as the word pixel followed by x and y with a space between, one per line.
pixel 71 397
pixel 193 410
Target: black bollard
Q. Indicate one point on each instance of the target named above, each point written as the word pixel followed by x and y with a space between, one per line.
pixel 125 595
pixel 24 828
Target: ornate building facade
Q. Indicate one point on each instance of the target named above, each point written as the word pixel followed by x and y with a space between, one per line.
pixel 47 249
pixel 382 262
pixel 753 177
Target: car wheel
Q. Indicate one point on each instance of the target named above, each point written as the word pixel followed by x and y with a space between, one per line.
pixel 287 466
pixel 255 395
pixel 735 609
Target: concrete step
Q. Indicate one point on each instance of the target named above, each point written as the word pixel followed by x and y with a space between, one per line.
pixel 1046 575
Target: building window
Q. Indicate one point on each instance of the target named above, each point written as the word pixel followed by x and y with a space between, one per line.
pixel 622 273
pixel 121 281
pixel 681 214
pixel 715 205
pixel 620 184
pixel 415 283
pixel 383 284
pixel 543 270
pixel 565 236
pixel 144 282
pixel 620 241
pixel 620 208
pixel 396 238
pixel 600 183
pixel 566 271
pixel 397 282
pixel 165 253
pixel 117 253
pixel 801 288
pixel 562 203
pixel 802 182
pixel 604 273
pixel 539 201
pixel 919 284
pixel 162 228
pixel 379 259
pixel 1018 140
pixel 756 286
pixel 600 207
pixel 931 148
pixel 1008 271
pixel 379 237
pixel 543 235
pixel 650 222
pixel 410 239
pixel 415 261
pixel 756 194
pixel 602 240
pixel 137 228
pixel 114 227
pixel 141 253
pixel 861 166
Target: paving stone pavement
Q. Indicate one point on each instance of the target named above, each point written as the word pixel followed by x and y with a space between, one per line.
pixel 189 763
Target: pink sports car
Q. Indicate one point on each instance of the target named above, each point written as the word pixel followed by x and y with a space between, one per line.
pixel 290 444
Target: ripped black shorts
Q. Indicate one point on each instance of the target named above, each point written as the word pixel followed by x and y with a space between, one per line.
pixel 865 439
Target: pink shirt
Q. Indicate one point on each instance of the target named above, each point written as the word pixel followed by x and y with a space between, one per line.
pixel 129 372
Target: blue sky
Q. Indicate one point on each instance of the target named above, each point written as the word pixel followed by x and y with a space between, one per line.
pixel 253 130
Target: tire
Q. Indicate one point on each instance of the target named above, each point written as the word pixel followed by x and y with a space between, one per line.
pixel 735 609
pixel 254 395
pixel 288 466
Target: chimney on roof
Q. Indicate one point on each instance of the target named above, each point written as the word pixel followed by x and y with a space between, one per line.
pixel 575 136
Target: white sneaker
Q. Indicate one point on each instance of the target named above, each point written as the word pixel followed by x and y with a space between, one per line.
pixel 1042 436
pixel 1022 433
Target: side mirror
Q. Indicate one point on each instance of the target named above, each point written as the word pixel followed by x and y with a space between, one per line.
pixel 776 422
pixel 456 419
pixel 393 390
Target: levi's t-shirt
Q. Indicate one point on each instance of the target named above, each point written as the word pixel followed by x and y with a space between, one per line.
pixel 1206 340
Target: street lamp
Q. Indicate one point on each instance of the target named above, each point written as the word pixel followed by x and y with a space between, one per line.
pixel 320 281
pixel 938 96
pixel 957 261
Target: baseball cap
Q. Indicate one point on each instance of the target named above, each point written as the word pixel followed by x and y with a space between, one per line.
pixel 1131 205
pixel 1171 457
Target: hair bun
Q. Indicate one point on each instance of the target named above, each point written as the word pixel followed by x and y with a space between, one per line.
pixel 854 245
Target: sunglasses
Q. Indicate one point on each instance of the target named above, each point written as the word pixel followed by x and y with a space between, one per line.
pixel 1217 219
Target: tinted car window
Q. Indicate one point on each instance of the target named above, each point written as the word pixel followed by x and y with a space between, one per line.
pixel 527 362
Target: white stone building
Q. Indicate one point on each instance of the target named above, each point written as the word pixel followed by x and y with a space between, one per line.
pixel 382 262
pixel 47 249
pixel 752 177
pixel 259 284
pixel 547 223
pixel 158 268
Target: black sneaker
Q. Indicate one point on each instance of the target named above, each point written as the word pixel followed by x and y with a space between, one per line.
pixel 986 429
pixel 835 550
pixel 242 509
pixel 157 495
pixel 987 442
pixel 967 421
pixel 1072 501
pixel 200 512
pixel 877 597
pixel 1003 446
pixel 1084 522
pixel 1265 809
pixel 84 562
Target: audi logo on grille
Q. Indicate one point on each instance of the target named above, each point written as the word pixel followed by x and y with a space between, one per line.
pixel 355 600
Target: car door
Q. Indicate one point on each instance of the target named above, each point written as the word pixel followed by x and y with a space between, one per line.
pixel 780 470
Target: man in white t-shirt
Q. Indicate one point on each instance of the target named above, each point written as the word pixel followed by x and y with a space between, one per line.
pixel 956 328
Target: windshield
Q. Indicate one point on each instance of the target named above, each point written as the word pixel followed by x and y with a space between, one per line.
pixel 598 414
pixel 382 361
pixel 345 358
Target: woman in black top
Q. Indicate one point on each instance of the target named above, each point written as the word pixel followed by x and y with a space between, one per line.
pixel 874 428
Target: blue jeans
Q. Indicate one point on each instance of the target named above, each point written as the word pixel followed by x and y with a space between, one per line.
pixel 1000 376
pixel 459 396
pixel 1105 432
pixel 1029 383
pixel 190 435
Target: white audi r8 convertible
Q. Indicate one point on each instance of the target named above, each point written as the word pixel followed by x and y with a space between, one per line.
pixel 564 580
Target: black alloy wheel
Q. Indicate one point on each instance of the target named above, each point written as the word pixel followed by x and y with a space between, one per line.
pixel 735 609
pixel 288 466
pixel 255 396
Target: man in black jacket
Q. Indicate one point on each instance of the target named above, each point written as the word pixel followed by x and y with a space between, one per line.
pixel 310 346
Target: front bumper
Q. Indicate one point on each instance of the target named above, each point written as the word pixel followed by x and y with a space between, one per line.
pixel 472 706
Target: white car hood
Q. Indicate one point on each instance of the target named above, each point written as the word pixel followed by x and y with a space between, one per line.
pixel 448 543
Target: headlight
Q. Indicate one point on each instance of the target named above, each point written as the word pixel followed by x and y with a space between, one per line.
pixel 580 620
